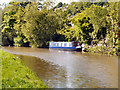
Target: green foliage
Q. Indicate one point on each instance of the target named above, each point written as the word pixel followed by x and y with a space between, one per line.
pixel 81 30
pixel 7 28
pixel 77 7
pixel 95 24
pixel 103 50
pixel 0 70
pixel 113 17
pixel 16 75
pixel 1 11
pixel 24 24
pixel 59 5
pixel 18 16
pixel 18 41
pixel 11 25
pixel 85 28
pixel 97 15
pixel 39 26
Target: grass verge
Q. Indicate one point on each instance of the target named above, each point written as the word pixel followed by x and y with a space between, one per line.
pixel 0 71
pixel 16 75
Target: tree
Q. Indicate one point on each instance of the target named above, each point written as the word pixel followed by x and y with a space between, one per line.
pixel 20 39
pixel 59 5
pixel 12 24
pixel 81 30
pixel 98 17
pixel 39 25
pixel 0 25
pixel 77 7
pixel 113 19
pixel 8 33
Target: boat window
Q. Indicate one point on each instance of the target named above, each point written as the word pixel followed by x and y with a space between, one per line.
pixel 54 44
pixel 61 44
pixel 70 44
pixel 51 44
pixel 65 44
pixel 57 44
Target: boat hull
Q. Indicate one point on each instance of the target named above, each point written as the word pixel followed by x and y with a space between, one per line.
pixel 66 48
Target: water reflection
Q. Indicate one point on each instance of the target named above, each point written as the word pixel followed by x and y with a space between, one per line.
pixel 70 69
pixel 47 71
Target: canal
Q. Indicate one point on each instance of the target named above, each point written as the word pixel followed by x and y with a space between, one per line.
pixel 66 69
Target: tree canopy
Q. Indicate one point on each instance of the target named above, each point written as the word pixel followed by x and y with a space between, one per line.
pixel 27 24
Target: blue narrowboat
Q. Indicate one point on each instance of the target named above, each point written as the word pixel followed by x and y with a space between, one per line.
pixel 65 45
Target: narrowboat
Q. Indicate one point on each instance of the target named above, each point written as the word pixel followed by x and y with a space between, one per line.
pixel 65 45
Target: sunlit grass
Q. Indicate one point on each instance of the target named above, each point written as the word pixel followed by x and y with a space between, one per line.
pixel 0 71
pixel 16 75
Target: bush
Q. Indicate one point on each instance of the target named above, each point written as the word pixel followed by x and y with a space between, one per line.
pixel 103 50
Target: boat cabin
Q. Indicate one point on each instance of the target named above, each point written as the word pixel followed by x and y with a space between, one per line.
pixel 64 45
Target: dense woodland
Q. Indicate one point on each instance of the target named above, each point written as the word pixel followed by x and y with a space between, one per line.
pixel 35 24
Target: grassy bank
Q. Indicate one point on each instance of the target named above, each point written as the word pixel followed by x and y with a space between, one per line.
pixel 16 75
pixel 0 70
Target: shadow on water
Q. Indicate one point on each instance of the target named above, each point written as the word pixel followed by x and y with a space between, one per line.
pixel 63 69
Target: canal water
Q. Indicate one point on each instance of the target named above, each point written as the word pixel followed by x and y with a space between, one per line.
pixel 66 69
